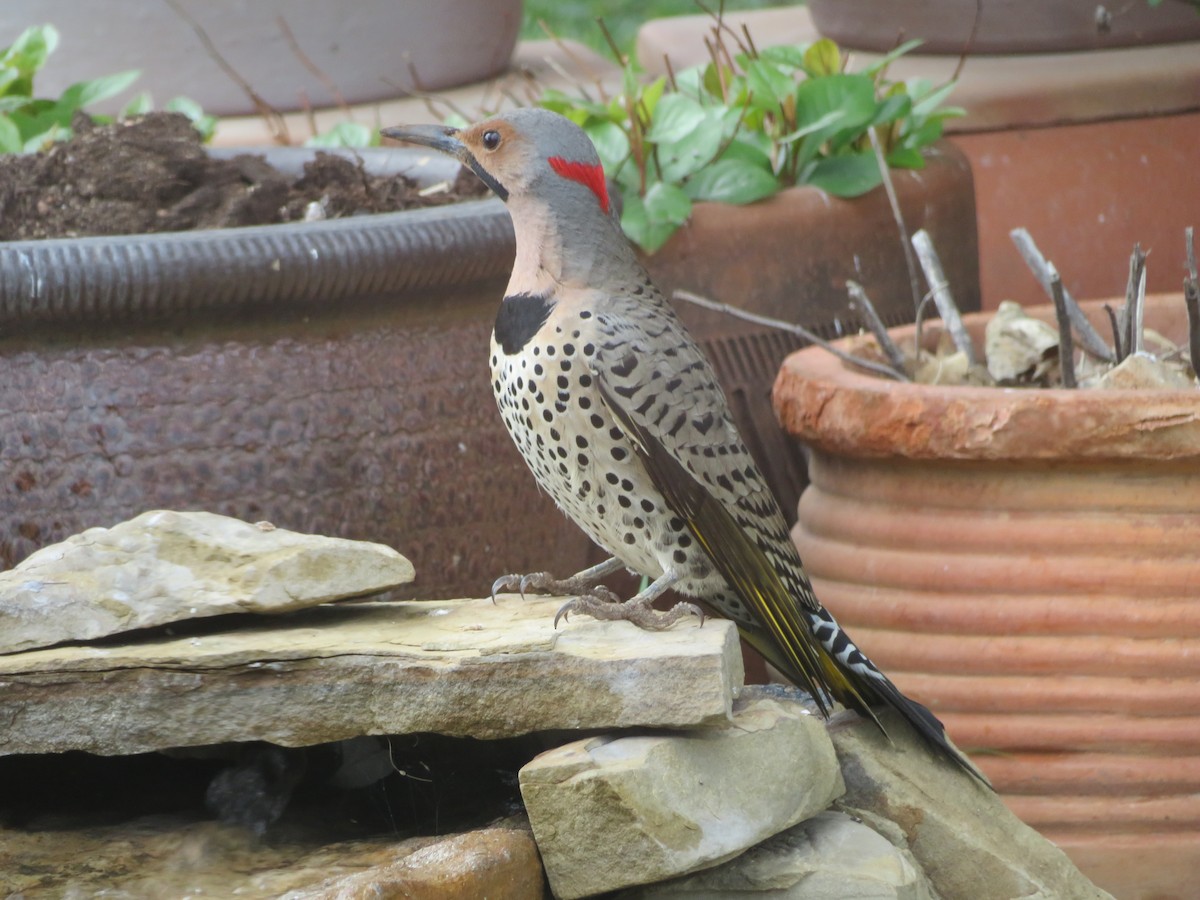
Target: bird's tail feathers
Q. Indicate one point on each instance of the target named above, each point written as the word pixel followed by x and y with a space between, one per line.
pixel 865 686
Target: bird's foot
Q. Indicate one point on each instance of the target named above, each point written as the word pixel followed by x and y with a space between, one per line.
pixel 638 610
pixel 585 582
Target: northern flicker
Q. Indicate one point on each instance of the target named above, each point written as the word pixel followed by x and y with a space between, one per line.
pixel 619 415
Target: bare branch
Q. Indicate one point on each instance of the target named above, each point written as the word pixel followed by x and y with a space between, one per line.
pixel 272 116
pixel 1191 296
pixel 905 242
pixel 861 301
pixel 1135 289
pixel 799 330
pixel 1090 339
pixel 1066 344
pixel 1116 331
pixel 306 61
pixel 932 266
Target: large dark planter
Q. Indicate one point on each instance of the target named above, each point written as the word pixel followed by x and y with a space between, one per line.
pixel 329 377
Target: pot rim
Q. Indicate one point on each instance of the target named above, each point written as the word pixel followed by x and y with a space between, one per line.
pixel 823 402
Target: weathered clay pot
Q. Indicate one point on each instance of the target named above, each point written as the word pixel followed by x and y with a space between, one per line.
pixel 790 257
pixel 1001 26
pixel 1027 564
pixel 361 52
pixel 329 377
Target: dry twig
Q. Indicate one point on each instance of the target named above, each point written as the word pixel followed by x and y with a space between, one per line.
pixel 1191 296
pixel 947 309
pixel 799 330
pixel 859 299
pixel 1066 343
pixel 1130 317
pixel 1090 339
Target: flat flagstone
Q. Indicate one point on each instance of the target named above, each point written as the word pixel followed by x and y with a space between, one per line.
pixel 459 667
pixel 165 566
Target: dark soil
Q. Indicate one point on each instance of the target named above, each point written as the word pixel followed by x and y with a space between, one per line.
pixel 153 174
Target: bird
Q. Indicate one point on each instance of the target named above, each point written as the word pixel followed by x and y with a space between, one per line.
pixel 620 417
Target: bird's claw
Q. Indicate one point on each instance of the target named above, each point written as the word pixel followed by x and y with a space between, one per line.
pixel 603 604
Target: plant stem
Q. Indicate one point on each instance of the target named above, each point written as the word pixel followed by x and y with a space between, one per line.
pixel 799 330
pixel 1090 338
pixel 947 309
pixel 860 299
pixel 890 188
pixel 1066 344
pixel 1116 331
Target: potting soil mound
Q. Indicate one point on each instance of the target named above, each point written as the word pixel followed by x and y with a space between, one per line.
pixel 153 174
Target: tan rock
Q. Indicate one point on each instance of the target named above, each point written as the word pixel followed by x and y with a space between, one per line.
pixel 166 566
pixel 160 857
pixel 1139 371
pixel 967 841
pixel 461 667
pixel 497 863
pixel 828 857
pixel 610 812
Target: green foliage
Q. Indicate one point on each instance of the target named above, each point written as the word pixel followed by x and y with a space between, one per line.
pixel 29 123
pixel 346 134
pixel 749 123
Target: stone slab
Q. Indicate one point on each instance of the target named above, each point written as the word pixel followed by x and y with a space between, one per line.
pixel 828 857
pixel 164 566
pixel 610 812
pixel 967 841
pixel 460 667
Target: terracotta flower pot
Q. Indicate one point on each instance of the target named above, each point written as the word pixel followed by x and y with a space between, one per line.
pixel 1026 562
pixel 327 376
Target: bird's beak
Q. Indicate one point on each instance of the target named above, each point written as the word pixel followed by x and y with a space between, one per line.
pixel 441 138
pixel 444 139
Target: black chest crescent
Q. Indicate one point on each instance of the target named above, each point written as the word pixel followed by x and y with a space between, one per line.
pixel 519 319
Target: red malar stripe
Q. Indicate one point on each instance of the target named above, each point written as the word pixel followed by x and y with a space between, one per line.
pixel 591 176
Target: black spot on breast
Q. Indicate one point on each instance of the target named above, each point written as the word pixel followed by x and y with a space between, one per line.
pixel 521 316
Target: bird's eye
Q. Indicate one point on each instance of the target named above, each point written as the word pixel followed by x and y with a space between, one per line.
pixel 491 140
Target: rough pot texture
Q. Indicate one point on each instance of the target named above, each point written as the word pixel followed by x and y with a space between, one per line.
pixel 1025 562
pixel 330 377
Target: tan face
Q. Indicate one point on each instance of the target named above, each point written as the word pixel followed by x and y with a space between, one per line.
pixel 505 153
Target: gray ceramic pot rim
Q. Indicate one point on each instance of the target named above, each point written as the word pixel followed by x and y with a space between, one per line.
pixel 295 264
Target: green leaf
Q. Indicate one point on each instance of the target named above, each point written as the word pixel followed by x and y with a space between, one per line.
pixel 207 125
pixel 768 85
pixel 612 144
pixel 639 229
pixel 894 107
pixel 345 134
pixel 785 55
pixel 891 56
pixel 822 58
pixel 140 105
pixel 694 150
pixel 82 93
pixel 852 95
pixel 846 176
pixel 28 53
pixel 926 99
pixel 732 181
pixel 10 136
pixel 906 158
pixel 675 117
pixel 652 93
pixel 666 203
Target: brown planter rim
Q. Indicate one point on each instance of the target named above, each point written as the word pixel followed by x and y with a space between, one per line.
pixel 826 404
pixel 948 27
pixel 90 279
